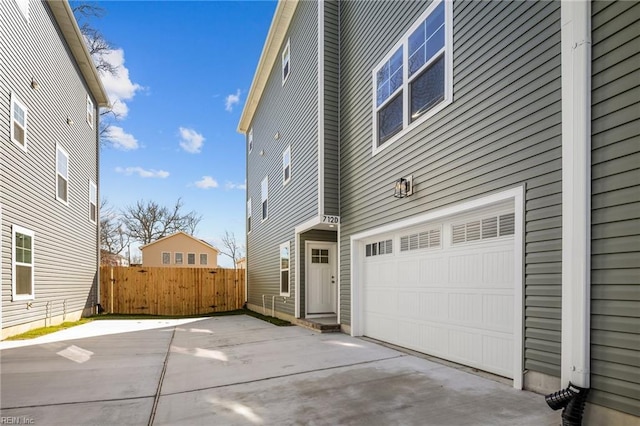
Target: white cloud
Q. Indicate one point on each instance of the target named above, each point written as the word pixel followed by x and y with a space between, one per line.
pixel 143 173
pixel 232 100
pixel 121 139
pixel 231 185
pixel 191 141
pixel 119 87
pixel 207 182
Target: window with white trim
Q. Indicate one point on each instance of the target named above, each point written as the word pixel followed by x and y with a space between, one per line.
pixel 284 268
pixel 62 175
pixel 93 202
pixel 22 283
pixel 191 258
pixel 90 111
pixel 177 258
pixel 265 197
pixel 286 165
pixel 286 62
pixel 250 140
pixel 414 81
pixel 204 259
pixel 23 5
pixel 249 215
pixel 166 258
pixel 18 122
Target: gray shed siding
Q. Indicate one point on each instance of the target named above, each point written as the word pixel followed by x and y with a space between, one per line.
pixel 615 204
pixel 65 242
pixel 292 111
pixel 502 130
pixel 331 107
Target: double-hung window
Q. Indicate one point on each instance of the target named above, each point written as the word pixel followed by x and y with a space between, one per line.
pixel 286 165
pixel 284 268
pixel 191 258
pixel 93 201
pixel 166 258
pixel 203 258
pixel 286 62
pixel 18 122
pixel 414 80
pixel 265 197
pixel 90 111
pixel 249 215
pixel 62 175
pixel 250 140
pixel 177 258
pixel 23 264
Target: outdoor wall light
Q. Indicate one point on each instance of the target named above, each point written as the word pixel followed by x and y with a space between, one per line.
pixel 403 187
pixel 276 136
pixel 34 84
pixel 69 121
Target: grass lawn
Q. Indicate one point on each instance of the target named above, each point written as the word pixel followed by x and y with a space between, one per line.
pixel 37 332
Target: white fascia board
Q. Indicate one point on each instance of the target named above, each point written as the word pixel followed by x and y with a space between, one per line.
pixel 576 194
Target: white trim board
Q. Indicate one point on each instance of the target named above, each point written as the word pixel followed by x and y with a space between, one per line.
pixel 514 194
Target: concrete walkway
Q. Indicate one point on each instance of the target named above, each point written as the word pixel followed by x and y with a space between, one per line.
pixel 238 370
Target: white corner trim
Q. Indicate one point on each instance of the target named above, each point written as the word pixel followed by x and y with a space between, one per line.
pixel 517 196
pixel 297 274
pixel 576 193
pixel 321 107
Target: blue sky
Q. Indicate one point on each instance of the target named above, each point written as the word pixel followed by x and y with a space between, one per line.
pixel 185 68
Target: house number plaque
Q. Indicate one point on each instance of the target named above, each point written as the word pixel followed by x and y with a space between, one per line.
pixel 330 219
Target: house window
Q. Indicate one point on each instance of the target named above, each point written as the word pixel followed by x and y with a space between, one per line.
pixel 319 256
pixel 62 175
pixel 166 258
pixel 18 122
pixel 286 166
pixel 177 258
pixel 413 82
pixel 284 269
pixel 286 63
pixel 23 5
pixel 265 196
pixel 203 258
pixel 250 140
pixel 23 264
pixel 93 202
pixel 249 215
pixel 191 258
pixel 90 111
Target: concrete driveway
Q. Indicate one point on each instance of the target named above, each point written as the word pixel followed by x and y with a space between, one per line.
pixel 238 370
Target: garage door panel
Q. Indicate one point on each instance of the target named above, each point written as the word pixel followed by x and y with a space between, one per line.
pixel 454 301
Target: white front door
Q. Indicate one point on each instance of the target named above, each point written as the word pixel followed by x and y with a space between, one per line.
pixel 321 278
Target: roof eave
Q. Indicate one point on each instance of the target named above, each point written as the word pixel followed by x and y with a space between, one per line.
pixel 270 52
pixel 67 22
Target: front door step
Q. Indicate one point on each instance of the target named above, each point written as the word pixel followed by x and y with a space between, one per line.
pixel 317 326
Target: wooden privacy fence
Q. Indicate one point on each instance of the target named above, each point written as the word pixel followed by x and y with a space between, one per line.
pixel 170 291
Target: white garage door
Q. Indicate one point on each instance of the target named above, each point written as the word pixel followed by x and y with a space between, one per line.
pixel 445 289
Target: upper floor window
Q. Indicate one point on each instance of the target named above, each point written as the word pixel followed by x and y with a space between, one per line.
pixel 22 265
pixel 93 201
pixel 191 258
pixel 250 140
pixel 286 62
pixel 166 258
pixel 286 165
pixel 414 80
pixel 265 196
pixel 249 215
pixel 18 122
pixel 62 175
pixel 177 258
pixel 203 258
pixel 23 5
pixel 284 268
pixel 90 111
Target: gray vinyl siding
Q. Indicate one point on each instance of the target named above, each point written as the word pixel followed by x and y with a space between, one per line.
pixel 502 130
pixel 331 108
pixel 65 242
pixel 313 235
pixel 615 204
pixel 292 111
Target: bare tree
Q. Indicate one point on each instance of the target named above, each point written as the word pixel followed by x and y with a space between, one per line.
pixel 113 235
pixel 146 222
pixel 231 248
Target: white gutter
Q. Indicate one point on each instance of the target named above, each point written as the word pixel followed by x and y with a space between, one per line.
pixel 576 191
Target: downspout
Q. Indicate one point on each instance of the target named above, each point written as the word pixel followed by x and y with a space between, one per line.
pixel 576 210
